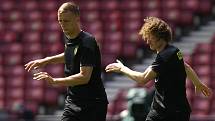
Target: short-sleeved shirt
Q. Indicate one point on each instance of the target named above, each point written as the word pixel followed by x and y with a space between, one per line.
pixel 84 51
pixel 170 89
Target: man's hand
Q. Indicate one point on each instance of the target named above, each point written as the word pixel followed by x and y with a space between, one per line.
pixel 45 76
pixel 206 91
pixel 35 64
pixel 114 67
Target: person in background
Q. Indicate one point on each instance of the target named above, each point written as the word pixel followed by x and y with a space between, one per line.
pixel 169 72
pixel 86 98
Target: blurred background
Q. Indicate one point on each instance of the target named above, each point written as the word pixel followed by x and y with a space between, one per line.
pixel 29 30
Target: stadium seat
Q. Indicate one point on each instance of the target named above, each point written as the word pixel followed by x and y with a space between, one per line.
pixel 107 5
pixel 90 16
pixel 34 26
pixel 129 49
pixel 13 59
pixel 29 5
pixel 48 5
pixel 170 4
pixel 32 48
pixel 15 82
pixel 201 59
pixel 89 5
pixel 55 70
pixel 15 16
pixel 31 36
pixel 7 5
pixel 151 5
pixel 29 57
pixel 52 37
pixel 51 96
pixel 201 106
pixel 16 70
pixel 190 5
pixel 131 5
pixel 33 15
pixel 205 7
pixel 107 59
pixel 35 94
pixel 15 94
pixel 9 37
pixel 17 26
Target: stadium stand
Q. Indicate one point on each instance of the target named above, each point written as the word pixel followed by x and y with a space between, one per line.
pixel 29 30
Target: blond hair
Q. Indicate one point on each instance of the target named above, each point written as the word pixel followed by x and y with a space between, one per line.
pixel 156 27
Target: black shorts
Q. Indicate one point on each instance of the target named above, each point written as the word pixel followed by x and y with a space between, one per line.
pixel 170 116
pixel 84 111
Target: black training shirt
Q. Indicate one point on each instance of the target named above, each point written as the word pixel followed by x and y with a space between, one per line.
pixel 84 51
pixel 170 93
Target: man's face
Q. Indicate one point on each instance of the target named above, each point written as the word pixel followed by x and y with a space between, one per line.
pixel 67 21
pixel 153 42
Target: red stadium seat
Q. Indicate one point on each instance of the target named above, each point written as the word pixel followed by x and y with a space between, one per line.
pixel 114 15
pixel 129 49
pixel 15 94
pixel 48 5
pixel 33 16
pixel 190 5
pixel 52 37
pixel 107 5
pixel 32 36
pixel 13 59
pixel 202 70
pixel 35 94
pixel 14 48
pixel 151 4
pixel 107 59
pixel 32 83
pixel 201 106
pixel 52 26
pixel 29 5
pixel 9 37
pixel 55 70
pixel 203 48
pixel 201 59
pixel 90 16
pixel 171 4
pixel 15 16
pixel 32 48
pixel 155 13
pixel 7 5
pixel 16 82
pixel 205 7
pixel 34 26
pixel 89 5
pixel 17 26
pixel 131 5
pixel 51 96
pixel 29 57
pixel 16 70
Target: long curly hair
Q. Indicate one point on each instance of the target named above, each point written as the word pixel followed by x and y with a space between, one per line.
pixel 156 27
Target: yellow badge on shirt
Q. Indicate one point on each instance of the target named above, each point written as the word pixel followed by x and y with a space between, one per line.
pixel 75 50
pixel 180 56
